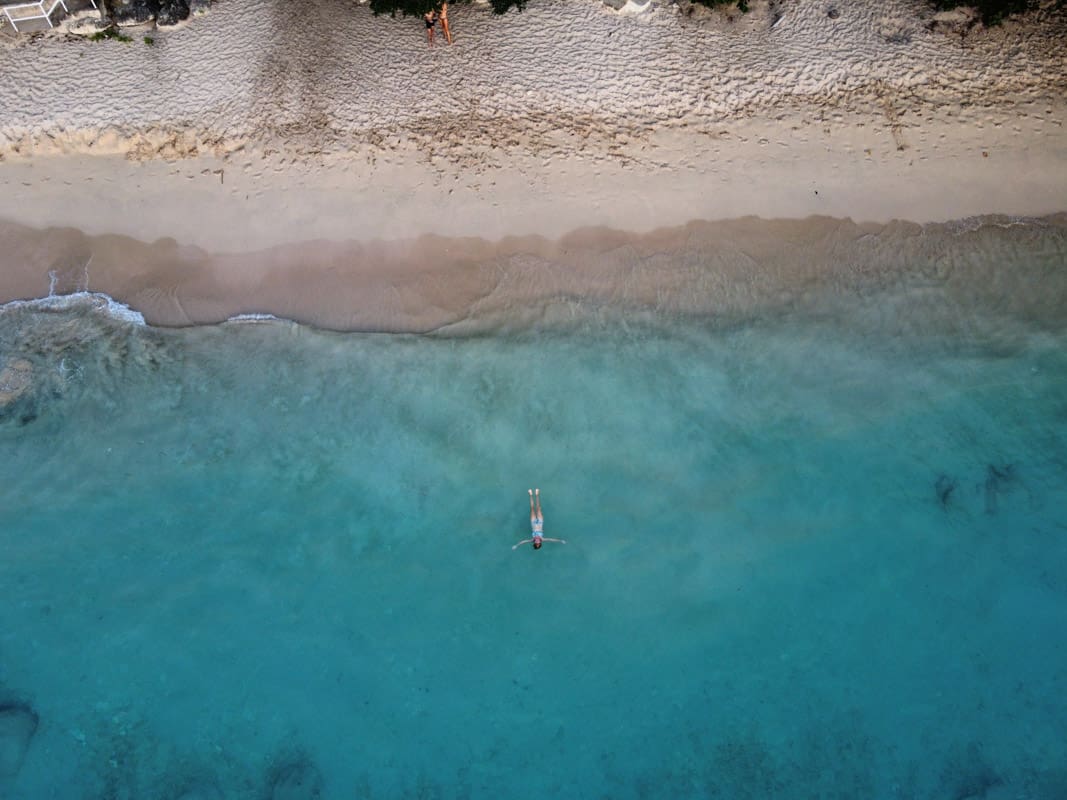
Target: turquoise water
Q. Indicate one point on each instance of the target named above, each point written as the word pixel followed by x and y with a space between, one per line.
pixel 809 555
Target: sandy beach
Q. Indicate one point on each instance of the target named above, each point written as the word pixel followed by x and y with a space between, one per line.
pixel 769 308
pixel 263 132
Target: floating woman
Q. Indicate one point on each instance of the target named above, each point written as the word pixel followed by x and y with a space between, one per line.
pixel 537 524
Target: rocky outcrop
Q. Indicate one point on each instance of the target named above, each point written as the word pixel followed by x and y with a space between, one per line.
pixel 164 12
pixel 16 379
pixel 18 395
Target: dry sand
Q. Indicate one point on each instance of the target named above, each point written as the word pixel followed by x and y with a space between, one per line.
pixel 266 124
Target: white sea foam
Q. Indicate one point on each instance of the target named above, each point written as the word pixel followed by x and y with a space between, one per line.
pixel 96 301
pixel 971 224
pixel 254 318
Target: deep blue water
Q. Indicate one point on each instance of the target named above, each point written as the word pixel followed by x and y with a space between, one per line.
pixel 809 555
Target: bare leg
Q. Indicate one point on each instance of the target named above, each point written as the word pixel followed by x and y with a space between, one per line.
pixel 537 493
pixel 442 15
pixel 533 516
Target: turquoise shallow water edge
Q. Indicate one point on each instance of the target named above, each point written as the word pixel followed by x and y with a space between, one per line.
pixel 809 555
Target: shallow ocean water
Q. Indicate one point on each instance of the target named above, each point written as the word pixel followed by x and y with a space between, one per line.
pixel 809 555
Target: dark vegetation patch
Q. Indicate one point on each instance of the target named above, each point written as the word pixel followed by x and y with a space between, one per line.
pixel 968 775
pixel 999 479
pixel 992 12
pixel 416 8
pixel 944 486
pixel 110 32
pixel 741 4
pixel 293 777
pixel 18 724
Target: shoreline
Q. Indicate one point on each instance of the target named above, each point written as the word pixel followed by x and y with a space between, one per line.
pixel 659 265
pixel 254 151
pixel 725 271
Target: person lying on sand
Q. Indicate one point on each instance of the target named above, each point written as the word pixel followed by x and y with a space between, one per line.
pixel 537 523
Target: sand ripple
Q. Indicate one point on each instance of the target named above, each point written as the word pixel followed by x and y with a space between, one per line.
pixel 561 78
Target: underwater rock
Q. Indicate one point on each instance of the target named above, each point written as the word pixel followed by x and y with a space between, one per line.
pixel 201 790
pixel 997 480
pixel 1003 791
pixel 16 379
pixel 79 350
pixel 18 724
pixel 296 780
pixel 18 391
pixel 944 486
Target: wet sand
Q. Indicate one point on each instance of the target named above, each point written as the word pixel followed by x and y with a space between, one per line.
pixel 724 270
